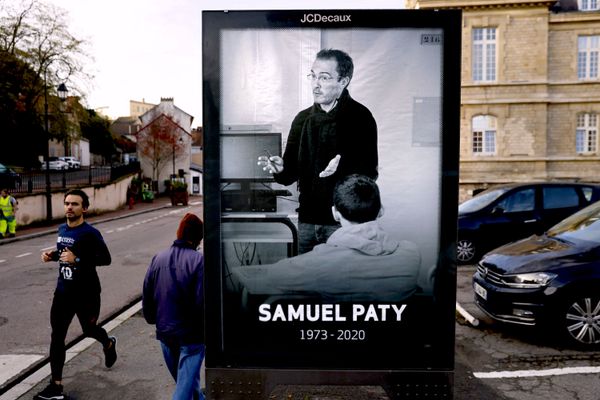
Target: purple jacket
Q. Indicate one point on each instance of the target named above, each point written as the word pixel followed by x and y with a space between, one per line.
pixel 173 294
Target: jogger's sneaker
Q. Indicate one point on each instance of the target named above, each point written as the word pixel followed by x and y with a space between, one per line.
pixel 110 354
pixel 50 392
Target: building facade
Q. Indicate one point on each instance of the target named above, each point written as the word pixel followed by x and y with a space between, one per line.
pixel 138 108
pixel 170 155
pixel 530 90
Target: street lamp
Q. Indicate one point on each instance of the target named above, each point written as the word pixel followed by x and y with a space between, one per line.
pixel 62 94
pixel 179 141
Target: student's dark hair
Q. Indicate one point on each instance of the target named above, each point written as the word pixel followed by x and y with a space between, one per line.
pixel 357 198
pixel 345 65
pixel 85 200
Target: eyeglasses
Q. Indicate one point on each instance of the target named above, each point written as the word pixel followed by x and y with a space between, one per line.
pixel 321 78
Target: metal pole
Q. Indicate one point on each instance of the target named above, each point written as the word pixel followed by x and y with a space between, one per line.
pixel 47 130
pixel 173 176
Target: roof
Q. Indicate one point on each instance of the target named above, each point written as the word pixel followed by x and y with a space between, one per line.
pixel 169 120
pixel 162 104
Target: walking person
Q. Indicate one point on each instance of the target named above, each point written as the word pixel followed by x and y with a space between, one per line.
pixel 173 300
pixel 8 214
pixel 80 249
pixel 333 138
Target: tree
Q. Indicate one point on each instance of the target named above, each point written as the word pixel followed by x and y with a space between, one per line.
pixel 23 137
pixel 37 33
pixel 159 143
pixel 35 39
pixel 124 144
pixel 95 128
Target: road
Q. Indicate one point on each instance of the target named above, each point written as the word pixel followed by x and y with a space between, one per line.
pixel 27 284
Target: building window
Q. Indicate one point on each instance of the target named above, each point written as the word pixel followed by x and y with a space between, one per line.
pixel 484 55
pixel 588 5
pixel 484 135
pixel 586 136
pixel 587 57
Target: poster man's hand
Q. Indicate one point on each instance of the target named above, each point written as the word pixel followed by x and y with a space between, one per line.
pixel 331 167
pixel 273 164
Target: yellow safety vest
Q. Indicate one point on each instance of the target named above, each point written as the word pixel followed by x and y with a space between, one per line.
pixel 6 206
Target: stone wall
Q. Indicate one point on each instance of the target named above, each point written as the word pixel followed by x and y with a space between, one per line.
pixel 108 197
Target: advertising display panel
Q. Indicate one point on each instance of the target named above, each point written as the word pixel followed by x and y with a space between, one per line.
pixel 330 199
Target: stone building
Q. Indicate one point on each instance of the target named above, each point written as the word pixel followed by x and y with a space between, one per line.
pixel 530 90
pixel 138 108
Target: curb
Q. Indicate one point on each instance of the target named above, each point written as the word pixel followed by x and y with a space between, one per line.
pixel 40 371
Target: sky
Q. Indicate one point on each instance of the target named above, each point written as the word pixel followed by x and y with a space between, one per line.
pixel 147 49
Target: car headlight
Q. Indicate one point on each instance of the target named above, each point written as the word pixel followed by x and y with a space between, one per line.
pixel 530 281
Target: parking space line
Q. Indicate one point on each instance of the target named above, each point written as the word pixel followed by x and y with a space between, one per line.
pixel 535 373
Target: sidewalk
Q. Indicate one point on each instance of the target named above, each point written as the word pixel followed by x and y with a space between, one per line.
pixel 139 372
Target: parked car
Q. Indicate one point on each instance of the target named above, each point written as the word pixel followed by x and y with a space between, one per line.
pixel 55 163
pixel 9 179
pixel 71 161
pixel 506 213
pixel 548 280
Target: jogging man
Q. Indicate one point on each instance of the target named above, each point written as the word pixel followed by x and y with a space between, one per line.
pixel 80 249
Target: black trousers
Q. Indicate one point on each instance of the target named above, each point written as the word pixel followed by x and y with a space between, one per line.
pixel 64 308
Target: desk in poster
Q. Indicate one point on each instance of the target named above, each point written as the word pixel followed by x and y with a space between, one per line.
pixel 260 228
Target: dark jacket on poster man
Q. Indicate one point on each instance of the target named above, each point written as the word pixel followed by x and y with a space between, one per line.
pixel 173 294
pixel 315 138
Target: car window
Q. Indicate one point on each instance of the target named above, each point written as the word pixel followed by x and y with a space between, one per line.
pixel 560 197
pixel 481 200
pixel 588 192
pixel 522 200
pixel 583 225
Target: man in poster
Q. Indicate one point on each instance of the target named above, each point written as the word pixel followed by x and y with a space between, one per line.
pixel 335 137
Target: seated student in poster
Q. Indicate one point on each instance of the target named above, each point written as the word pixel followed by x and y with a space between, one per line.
pixel 359 261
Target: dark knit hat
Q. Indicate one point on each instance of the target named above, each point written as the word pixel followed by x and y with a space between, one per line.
pixel 191 229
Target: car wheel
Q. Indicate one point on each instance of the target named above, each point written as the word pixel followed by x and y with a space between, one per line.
pixel 466 251
pixel 581 320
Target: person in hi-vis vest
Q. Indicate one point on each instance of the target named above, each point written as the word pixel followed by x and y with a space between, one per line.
pixel 8 217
